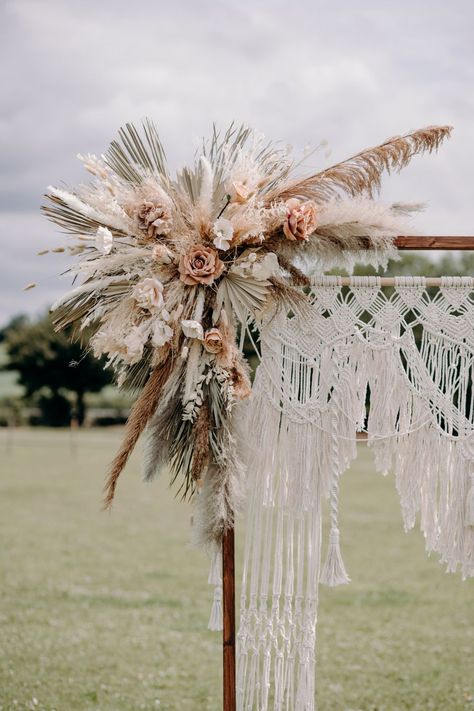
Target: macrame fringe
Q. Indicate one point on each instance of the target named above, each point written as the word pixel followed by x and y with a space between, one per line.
pixel 309 399
pixel 469 513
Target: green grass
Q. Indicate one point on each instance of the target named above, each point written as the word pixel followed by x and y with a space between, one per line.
pixel 109 612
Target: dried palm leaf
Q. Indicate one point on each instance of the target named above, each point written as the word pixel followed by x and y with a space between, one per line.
pixel 241 295
pixel 133 158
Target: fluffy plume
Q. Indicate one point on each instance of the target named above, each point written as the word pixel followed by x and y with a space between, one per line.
pixel 362 172
pixel 141 413
pixel 352 230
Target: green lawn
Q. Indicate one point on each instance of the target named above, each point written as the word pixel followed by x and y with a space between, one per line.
pixel 109 612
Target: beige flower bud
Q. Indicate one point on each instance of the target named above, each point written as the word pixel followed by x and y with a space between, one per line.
pixel 241 192
pixel 162 254
pixel 213 341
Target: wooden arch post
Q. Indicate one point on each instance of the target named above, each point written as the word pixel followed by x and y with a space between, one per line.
pixel 431 243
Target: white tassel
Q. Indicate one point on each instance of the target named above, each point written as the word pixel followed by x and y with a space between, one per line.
pixel 215 578
pixel 469 511
pixel 334 572
pixel 215 571
pixel 215 619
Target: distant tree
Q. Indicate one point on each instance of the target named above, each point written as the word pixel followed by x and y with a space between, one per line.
pixel 15 322
pixel 54 371
pixel 425 264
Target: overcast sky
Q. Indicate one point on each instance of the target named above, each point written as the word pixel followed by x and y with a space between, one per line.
pixel 353 73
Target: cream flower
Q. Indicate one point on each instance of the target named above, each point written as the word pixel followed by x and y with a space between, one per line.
pixel 161 333
pixel 266 267
pixel 301 220
pixel 192 329
pixel 149 294
pixel 224 232
pixel 134 343
pixel 104 240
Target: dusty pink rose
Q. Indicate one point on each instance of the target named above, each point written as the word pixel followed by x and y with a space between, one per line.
pixel 213 342
pixel 200 265
pixel 153 219
pixel 300 221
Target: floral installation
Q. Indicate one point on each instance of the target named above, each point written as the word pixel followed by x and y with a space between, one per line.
pixel 173 271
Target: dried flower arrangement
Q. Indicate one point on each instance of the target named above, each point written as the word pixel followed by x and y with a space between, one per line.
pixel 172 270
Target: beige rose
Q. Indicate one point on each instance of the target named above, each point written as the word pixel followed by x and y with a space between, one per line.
pixel 149 294
pixel 300 221
pixel 152 218
pixel 213 341
pixel 200 265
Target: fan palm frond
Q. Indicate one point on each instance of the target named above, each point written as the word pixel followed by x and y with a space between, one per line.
pixel 133 157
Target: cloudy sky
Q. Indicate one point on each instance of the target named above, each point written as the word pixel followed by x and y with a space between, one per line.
pixel 300 71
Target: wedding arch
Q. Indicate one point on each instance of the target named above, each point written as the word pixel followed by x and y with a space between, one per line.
pixel 173 273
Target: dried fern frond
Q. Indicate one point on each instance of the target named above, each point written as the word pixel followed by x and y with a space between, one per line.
pixel 361 174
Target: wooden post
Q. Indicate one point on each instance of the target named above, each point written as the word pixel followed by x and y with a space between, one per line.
pixel 228 555
pixel 228 609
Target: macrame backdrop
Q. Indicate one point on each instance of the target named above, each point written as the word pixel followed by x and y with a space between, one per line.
pixel 412 350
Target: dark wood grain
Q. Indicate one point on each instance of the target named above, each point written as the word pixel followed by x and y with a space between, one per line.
pixel 435 242
pixel 228 609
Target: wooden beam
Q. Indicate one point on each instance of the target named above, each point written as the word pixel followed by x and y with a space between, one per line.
pixel 435 242
pixel 228 613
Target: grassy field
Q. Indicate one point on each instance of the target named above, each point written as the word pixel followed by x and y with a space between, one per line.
pixel 109 612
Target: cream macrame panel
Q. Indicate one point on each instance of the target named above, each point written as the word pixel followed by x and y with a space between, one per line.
pixel 412 348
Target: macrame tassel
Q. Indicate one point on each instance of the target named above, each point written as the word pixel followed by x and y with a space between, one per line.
pixel 334 572
pixel 215 571
pixel 215 578
pixel 469 512
pixel 215 619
